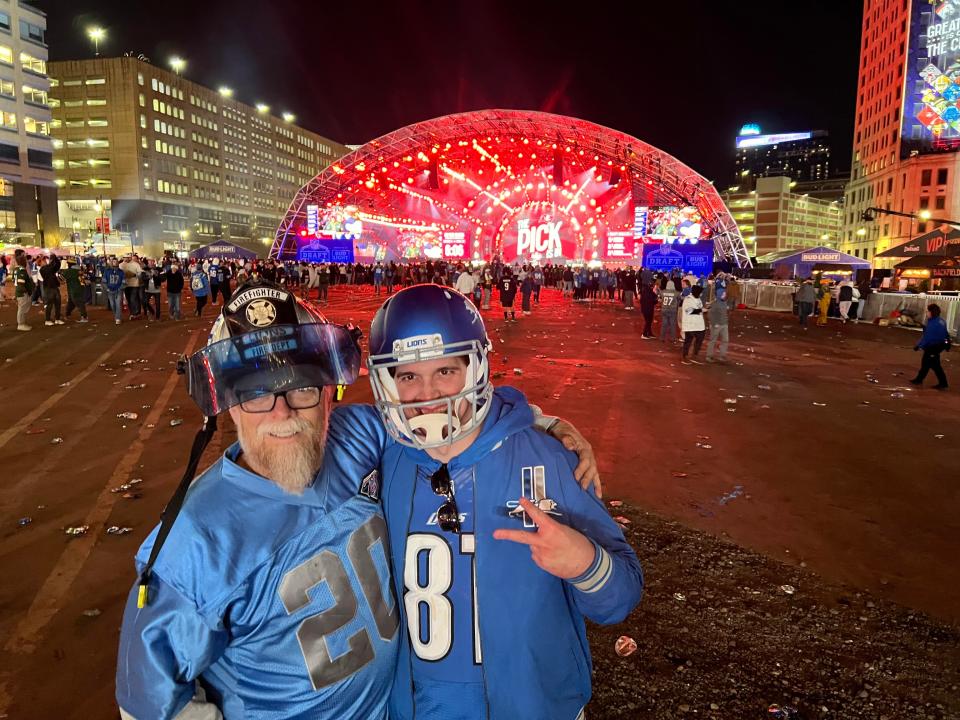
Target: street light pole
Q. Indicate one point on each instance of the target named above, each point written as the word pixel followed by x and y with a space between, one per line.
pixel 103 234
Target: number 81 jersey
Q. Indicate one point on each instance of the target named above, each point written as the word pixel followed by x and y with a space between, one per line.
pixel 277 606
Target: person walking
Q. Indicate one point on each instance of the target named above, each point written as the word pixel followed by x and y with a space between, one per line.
pixel 174 280
pixel 153 279
pixel 224 276
pixel 486 283
pixel 465 283
pixel 537 283
pixel 75 278
pixel 324 277
pixel 648 303
pixel 508 291
pixel 806 299
pixel 718 315
pixel 823 297
pixel 390 275
pixel 113 281
pixel 845 300
pixel 23 287
pixel 865 291
pixel 526 291
pixel 629 288
pixel 935 340
pixel 377 278
pixel 200 287
pixel 131 273
pixel 669 302
pixel 50 276
pixel 693 326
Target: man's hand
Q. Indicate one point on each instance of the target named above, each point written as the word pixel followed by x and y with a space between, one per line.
pixel 554 547
pixel 587 473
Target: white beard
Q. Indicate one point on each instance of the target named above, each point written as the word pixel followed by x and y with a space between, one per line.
pixel 294 465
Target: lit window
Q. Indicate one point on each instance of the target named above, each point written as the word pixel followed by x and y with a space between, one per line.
pixel 6 55
pixel 143 142
pixel 7 89
pixel 96 101
pixel 58 164
pixel 153 83
pixel 73 103
pixel 35 96
pixel 146 183
pixel 156 105
pixel 74 123
pixel 57 143
pixel 8 120
pixel 142 100
pixel 56 124
pixel 98 142
pixel 34 64
pixel 139 78
pixel 96 81
pixel 72 83
pixel 97 122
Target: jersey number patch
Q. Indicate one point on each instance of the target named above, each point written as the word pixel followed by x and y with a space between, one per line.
pixel 328 567
pixel 433 594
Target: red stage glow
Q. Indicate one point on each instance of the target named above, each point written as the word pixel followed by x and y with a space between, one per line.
pixel 509 203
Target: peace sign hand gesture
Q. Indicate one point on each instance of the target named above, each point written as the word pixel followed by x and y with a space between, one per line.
pixel 554 547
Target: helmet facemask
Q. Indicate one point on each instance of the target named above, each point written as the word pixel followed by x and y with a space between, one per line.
pixel 440 428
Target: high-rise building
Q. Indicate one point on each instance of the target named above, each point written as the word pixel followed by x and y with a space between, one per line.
pixel 28 196
pixel 907 129
pixel 163 163
pixel 772 217
pixel 802 156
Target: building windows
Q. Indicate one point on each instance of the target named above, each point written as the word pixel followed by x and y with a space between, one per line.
pixel 72 83
pixel 32 33
pixel 73 123
pixel 96 102
pixel 5 21
pixel 8 120
pixel 146 183
pixel 143 142
pixel 924 203
pixel 9 153
pixel 140 79
pixel 925 177
pixel 72 103
pixel 34 64
pixel 7 89
pixel 34 95
pixel 941 176
pixel 96 81
pixel 98 122
pixel 6 55
pixel 940 202
pixel 142 100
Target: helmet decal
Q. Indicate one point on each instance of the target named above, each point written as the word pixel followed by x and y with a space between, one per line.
pixel 261 313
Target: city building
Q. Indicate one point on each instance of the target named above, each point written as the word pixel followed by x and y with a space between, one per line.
pixel 28 195
pixel 162 163
pixel 773 217
pixel 802 156
pixel 907 129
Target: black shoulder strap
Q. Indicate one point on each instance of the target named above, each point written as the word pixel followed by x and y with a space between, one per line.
pixel 170 512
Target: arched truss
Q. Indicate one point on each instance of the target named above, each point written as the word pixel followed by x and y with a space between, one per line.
pixel 483 158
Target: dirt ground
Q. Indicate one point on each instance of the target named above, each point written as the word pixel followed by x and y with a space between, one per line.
pixel 816 477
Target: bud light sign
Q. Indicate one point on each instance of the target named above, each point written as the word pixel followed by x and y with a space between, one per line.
pixel 697 258
pixel 537 233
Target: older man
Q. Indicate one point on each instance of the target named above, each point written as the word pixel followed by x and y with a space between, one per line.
pixel 271 598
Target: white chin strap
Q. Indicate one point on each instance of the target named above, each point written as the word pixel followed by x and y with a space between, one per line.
pixel 432 427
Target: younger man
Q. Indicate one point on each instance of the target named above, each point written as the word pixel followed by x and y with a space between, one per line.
pixel 494 590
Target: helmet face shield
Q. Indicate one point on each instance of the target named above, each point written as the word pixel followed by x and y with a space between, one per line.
pixel 271 360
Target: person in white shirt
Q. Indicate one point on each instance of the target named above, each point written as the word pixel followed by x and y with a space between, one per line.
pixel 465 283
pixel 693 326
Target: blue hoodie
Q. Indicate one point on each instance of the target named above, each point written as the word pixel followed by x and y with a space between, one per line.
pixel 512 643
pixel 934 333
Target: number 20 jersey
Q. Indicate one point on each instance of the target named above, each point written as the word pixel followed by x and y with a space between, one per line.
pixel 279 605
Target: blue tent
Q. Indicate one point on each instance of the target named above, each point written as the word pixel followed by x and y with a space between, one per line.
pixel 223 249
pixel 801 263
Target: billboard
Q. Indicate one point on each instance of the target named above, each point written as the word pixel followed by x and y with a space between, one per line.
pixel 324 250
pixel 675 223
pixel 931 113
pixel 752 141
pixel 619 245
pixel 540 232
pixel 697 258
pixel 455 245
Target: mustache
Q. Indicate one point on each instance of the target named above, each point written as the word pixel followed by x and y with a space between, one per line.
pixel 283 427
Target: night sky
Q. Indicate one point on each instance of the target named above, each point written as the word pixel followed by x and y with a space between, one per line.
pixel 681 75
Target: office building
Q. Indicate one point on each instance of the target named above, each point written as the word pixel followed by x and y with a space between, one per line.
pixel 28 196
pixel 801 156
pixel 773 217
pixel 162 163
pixel 907 129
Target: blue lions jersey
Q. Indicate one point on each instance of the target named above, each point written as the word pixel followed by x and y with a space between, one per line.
pixel 439 580
pixel 278 605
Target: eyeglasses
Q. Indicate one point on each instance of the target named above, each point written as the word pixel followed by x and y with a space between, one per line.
pixel 448 515
pixel 256 401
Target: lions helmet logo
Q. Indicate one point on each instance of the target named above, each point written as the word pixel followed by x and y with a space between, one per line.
pixel 261 313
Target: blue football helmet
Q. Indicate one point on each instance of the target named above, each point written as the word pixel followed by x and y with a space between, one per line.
pixel 420 323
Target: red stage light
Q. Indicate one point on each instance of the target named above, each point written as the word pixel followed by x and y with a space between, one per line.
pixel 303 233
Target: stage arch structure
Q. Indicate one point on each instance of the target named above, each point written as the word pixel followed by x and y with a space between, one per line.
pixel 516 184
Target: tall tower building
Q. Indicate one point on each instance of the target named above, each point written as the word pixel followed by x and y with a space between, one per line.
pixel 907 128
pixel 147 160
pixel 28 196
pixel 801 156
